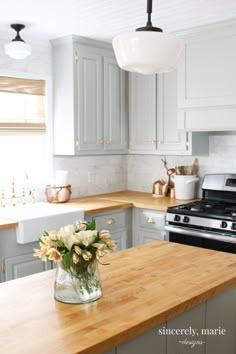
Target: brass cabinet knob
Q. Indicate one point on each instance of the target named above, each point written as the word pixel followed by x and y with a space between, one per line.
pixel 153 141
pixel 150 220
pixel 159 142
pixel 77 143
pixel 108 142
pixel 111 221
pixel 100 142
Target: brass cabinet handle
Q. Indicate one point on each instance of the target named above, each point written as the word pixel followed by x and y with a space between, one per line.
pixel 111 221
pixel 108 141
pixel 100 142
pixel 159 142
pixel 153 141
pixel 150 220
pixel 77 143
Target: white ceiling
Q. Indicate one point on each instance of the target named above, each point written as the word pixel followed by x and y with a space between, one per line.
pixel 103 19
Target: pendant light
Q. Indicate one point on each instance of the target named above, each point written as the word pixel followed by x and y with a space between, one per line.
pixel 17 48
pixel 147 50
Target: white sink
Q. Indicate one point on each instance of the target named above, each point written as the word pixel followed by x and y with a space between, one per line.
pixel 34 219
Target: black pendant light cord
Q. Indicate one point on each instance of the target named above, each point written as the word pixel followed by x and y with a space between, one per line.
pixel 149 26
pixel 149 12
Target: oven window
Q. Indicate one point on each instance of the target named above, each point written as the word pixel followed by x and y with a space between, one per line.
pixel 202 242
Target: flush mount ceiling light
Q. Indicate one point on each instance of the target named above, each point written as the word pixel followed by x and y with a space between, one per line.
pixel 17 48
pixel 147 50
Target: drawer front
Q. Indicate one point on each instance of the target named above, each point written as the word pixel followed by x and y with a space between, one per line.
pixel 111 221
pixel 151 220
pixel 148 236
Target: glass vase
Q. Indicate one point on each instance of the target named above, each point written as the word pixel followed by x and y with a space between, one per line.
pixel 78 286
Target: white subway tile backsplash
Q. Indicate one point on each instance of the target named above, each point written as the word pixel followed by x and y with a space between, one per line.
pixel 103 174
pixel 91 175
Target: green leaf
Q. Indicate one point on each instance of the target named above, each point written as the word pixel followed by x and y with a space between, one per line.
pixel 91 225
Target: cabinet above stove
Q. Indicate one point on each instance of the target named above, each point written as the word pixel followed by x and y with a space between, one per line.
pixel 207 80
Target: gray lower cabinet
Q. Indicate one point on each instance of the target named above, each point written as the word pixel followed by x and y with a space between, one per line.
pixel 148 226
pixel 118 223
pixel 208 328
pixel 16 259
pixel 26 264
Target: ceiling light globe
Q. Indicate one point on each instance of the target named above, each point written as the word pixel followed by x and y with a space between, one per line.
pixel 147 52
pixel 18 49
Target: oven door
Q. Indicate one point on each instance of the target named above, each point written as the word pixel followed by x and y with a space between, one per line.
pixel 201 238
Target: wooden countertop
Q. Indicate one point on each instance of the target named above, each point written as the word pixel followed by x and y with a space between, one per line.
pixel 7 224
pixel 143 287
pixel 113 201
pixel 124 199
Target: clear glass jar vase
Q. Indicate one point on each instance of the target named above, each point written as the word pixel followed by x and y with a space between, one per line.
pixel 80 285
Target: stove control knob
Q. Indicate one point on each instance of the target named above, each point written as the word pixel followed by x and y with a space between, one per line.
pixel 233 226
pixel 177 218
pixel 186 219
pixel 223 224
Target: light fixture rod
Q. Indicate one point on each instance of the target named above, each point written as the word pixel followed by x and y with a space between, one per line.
pixel 149 26
pixel 149 12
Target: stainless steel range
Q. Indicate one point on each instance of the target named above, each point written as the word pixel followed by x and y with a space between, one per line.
pixel 209 222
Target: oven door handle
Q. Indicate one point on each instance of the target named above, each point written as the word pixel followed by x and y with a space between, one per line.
pixel 200 233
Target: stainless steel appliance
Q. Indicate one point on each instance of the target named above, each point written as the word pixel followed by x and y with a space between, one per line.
pixel 209 222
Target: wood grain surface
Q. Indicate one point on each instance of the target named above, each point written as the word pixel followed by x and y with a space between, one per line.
pixel 142 287
pixel 126 199
pixel 7 224
pixel 113 201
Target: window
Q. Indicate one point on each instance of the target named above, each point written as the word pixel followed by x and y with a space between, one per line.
pixel 22 105
pixel 25 144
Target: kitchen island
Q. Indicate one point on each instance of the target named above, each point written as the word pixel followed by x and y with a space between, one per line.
pixel 146 290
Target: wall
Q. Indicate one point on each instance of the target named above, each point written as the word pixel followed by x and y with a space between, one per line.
pixel 143 170
pixel 91 175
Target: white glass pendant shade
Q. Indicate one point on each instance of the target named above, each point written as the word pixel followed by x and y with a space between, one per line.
pixel 18 49
pixel 147 52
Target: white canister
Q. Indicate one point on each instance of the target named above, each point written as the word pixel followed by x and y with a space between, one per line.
pixel 185 186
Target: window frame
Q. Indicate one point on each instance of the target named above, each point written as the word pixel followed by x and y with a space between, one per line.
pixel 48 118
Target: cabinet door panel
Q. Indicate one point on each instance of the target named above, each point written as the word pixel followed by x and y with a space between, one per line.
pixel 168 137
pixel 148 236
pixel 208 79
pixel 90 83
pixel 115 130
pixel 142 111
pixel 21 266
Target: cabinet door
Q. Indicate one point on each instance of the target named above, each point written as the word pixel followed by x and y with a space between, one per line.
pixel 21 266
pixel 168 137
pixel 145 236
pixel 115 129
pixel 207 71
pixel 90 98
pixel 142 112
pixel 121 240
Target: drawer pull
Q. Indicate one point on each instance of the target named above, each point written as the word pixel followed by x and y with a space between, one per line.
pixel 150 220
pixel 111 221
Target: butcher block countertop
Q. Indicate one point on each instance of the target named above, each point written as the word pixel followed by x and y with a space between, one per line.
pixel 143 287
pixel 112 201
pixel 124 199
pixel 7 224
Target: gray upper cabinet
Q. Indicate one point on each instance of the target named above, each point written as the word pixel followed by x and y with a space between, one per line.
pixel 142 112
pixel 89 83
pixel 89 98
pixel 207 80
pixel 153 117
pixel 115 121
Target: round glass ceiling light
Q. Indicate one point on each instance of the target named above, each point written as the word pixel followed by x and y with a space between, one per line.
pixel 147 50
pixel 17 48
